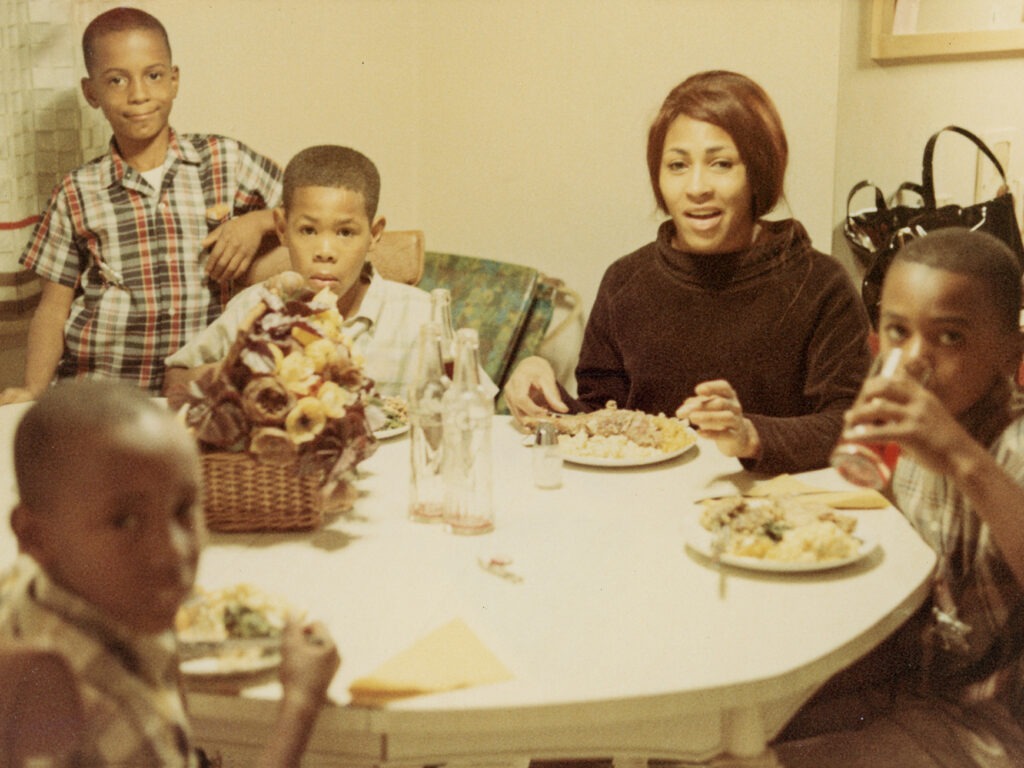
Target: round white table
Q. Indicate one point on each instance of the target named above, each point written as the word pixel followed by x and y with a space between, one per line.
pixel 620 640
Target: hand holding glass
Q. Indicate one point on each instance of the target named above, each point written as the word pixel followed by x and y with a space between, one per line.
pixel 871 464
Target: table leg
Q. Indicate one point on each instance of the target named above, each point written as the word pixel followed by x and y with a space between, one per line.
pixel 743 732
pixel 766 759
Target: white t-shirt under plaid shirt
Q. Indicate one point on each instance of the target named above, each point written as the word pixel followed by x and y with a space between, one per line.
pixel 134 255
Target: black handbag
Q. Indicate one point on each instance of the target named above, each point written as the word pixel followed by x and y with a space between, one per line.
pixel 868 231
pixel 876 235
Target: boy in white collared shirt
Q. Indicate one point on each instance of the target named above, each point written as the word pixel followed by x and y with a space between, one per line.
pixel 329 223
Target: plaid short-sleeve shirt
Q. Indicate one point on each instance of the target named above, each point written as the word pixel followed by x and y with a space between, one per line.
pixel 986 594
pixel 134 254
pixel 134 714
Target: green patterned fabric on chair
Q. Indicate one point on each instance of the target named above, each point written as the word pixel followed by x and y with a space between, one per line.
pixel 509 305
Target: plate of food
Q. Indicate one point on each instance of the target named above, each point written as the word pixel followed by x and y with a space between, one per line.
pixel 396 418
pixel 247 661
pixel 618 437
pixel 231 631
pixel 780 534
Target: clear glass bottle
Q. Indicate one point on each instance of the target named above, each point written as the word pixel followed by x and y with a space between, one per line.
pixel 467 443
pixel 426 429
pixel 441 313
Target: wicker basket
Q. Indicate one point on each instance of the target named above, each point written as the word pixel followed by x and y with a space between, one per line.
pixel 241 494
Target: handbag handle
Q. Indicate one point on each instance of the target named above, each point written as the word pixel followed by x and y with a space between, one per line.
pixel 880 202
pixel 927 180
pixel 879 197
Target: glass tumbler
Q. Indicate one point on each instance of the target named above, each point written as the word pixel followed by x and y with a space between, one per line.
pixel 871 464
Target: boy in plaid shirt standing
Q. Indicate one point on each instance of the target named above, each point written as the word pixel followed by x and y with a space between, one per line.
pixel 137 248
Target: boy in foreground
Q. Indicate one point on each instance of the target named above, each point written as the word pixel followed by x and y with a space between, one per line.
pixel 328 222
pixel 947 689
pixel 110 513
pixel 136 248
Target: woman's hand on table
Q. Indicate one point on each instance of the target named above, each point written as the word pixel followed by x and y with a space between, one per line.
pixel 716 413
pixel 532 389
pixel 309 659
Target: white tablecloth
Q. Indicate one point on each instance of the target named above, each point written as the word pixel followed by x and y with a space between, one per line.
pixel 618 637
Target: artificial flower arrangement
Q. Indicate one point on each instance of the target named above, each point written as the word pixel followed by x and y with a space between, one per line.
pixel 290 393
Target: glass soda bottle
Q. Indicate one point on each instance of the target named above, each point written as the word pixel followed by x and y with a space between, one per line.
pixel 441 313
pixel 426 429
pixel 467 443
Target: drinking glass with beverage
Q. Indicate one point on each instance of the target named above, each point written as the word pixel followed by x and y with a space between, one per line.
pixel 871 464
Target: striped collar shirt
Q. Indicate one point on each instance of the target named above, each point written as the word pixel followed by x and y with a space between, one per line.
pixel 134 255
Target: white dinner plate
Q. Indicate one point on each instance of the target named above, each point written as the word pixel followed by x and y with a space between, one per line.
pixel 597 461
pixel 698 539
pixel 384 434
pixel 229 666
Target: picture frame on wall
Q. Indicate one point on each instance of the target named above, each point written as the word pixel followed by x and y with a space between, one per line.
pixel 968 29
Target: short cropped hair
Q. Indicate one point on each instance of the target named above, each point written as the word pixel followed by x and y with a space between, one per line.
pixel 66 413
pixel 741 108
pixel 329 165
pixel 975 254
pixel 119 20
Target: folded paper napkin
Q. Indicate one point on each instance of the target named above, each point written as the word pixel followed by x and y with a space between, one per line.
pixel 787 485
pixel 450 657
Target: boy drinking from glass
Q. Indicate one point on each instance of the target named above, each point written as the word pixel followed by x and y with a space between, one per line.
pixel 110 515
pixel 136 248
pixel 947 689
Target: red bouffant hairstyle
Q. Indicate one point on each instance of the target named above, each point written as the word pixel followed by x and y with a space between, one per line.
pixel 741 108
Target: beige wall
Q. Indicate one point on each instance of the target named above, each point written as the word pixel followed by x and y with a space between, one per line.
pixel 887 112
pixel 513 130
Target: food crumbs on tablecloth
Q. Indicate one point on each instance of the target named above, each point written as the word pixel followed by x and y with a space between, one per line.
pixel 500 566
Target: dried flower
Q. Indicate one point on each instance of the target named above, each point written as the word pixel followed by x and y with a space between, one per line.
pixel 266 401
pixel 289 390
pixel 336 399
pixel 298 373
pixel 273 445
pixel 306 420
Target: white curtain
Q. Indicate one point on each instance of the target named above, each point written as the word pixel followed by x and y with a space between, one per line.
pixel 45 131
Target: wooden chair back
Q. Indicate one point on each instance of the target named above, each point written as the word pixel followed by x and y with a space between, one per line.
pixel 397 256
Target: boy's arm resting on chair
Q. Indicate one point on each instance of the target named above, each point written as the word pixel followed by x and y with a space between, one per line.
pixel 45 343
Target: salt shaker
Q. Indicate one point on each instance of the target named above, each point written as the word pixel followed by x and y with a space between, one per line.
pixel 547 459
